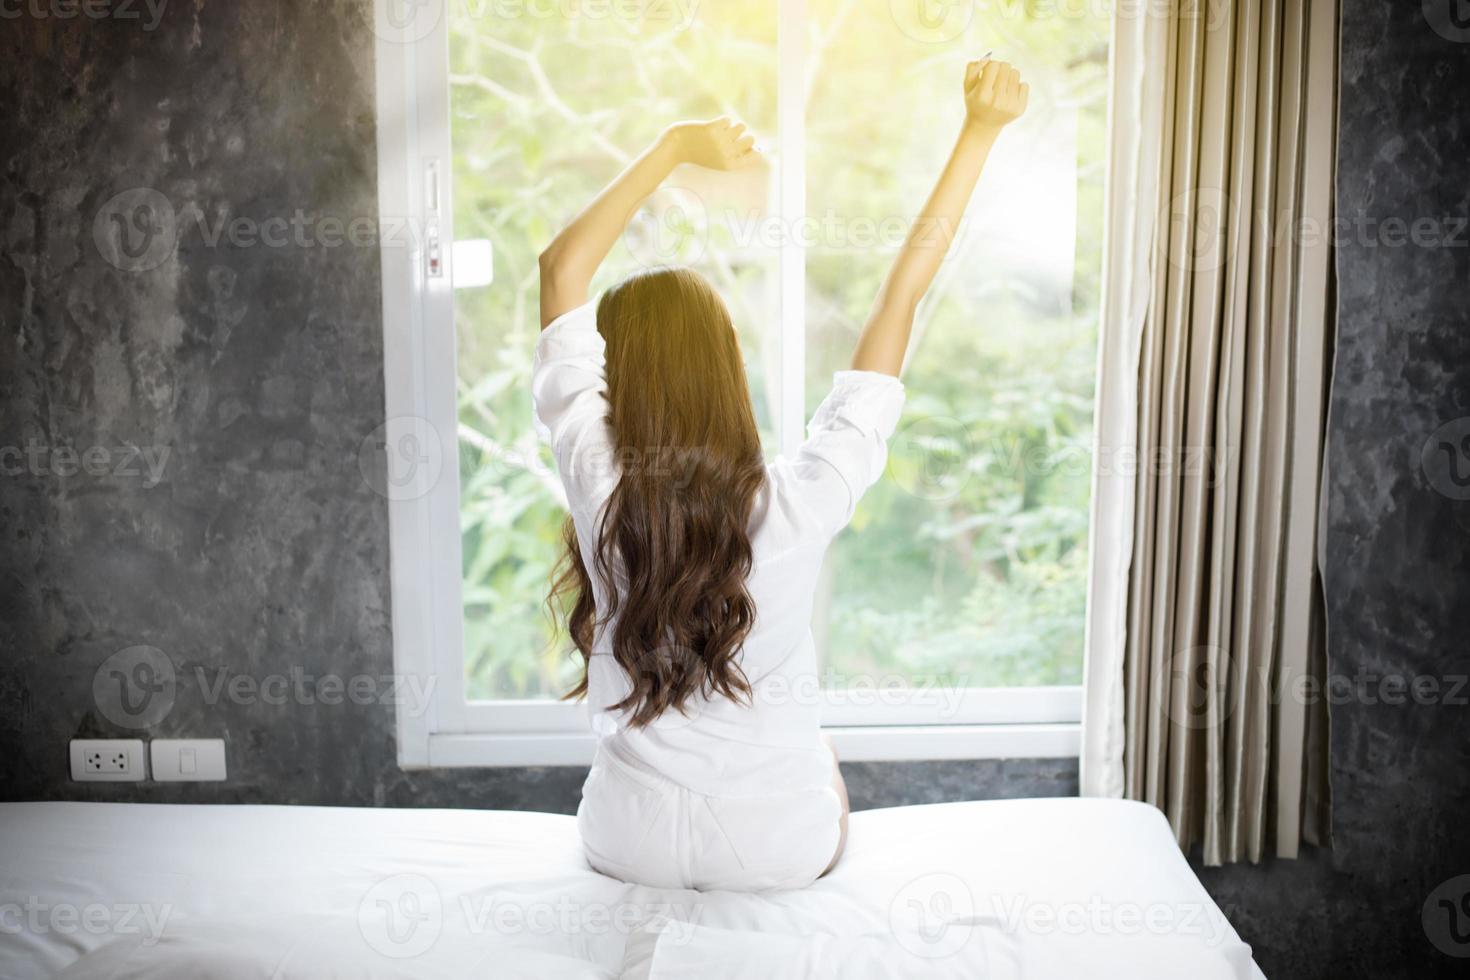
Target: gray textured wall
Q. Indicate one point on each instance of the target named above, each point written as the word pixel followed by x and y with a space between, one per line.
pixel 255 369
pixel 260 550
pixel 1397 573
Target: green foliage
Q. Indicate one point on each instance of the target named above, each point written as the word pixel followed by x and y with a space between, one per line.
pixel 967 563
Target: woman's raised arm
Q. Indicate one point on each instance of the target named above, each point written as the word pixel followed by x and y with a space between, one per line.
pixel 568 263
pixel 994 96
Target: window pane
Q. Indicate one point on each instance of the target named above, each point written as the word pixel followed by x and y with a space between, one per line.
pixel 967 564
pixel 546 108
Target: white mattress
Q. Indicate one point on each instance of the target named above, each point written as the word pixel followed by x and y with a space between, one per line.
pixel 1011 889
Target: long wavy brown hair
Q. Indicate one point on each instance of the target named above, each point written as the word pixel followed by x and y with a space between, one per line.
pixel 672 546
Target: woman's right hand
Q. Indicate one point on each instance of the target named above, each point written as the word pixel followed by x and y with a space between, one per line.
pixel 994 94
pixel 717 144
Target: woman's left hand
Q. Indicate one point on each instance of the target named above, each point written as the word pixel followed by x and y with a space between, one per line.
pixel 994 94
pixel 717 144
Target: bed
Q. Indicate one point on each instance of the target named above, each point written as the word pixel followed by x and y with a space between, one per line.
pixel 1034 889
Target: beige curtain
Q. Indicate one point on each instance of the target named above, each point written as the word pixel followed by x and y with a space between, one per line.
pixel 1205 625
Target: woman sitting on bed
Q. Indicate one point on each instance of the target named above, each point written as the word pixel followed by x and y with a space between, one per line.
pixel 691 563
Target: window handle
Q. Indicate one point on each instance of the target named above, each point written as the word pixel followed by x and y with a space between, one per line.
pixel 433 251
pixel 431 186
pixel 433 248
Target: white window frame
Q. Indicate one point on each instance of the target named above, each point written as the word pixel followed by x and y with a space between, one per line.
pixel 415 186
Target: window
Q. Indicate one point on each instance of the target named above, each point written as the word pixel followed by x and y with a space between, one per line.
pixel 950 619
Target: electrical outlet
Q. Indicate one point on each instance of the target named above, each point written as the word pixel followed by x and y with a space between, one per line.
pixel 107 760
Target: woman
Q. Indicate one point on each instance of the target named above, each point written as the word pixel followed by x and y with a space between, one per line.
pixel 691 563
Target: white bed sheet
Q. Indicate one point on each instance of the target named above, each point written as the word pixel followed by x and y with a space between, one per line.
pixel 1034 889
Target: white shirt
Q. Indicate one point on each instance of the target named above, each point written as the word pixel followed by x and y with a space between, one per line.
pixel 718 747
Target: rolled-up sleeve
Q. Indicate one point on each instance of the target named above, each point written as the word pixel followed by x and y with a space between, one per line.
pixel 570 407
pixel 846 447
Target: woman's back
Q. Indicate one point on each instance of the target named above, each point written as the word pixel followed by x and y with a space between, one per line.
pixel 803 503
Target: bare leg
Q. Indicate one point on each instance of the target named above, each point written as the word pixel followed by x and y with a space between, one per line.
pixel 841 787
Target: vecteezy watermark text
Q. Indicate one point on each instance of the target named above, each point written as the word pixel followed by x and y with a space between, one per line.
pixel 39 918
pixel 36 458
pixel 402 916
pixel 410 21
pixel 411 693
pixel 140 229
pixel 125 10
pixel 137 687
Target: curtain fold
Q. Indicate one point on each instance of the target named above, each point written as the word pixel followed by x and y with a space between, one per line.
pixel 1204 605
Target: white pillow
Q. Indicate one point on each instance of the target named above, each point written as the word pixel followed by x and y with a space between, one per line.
pixel 663 949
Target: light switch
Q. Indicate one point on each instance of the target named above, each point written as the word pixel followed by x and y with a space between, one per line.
pixel 177 760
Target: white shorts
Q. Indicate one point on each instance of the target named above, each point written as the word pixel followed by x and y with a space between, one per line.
pixel 640 827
